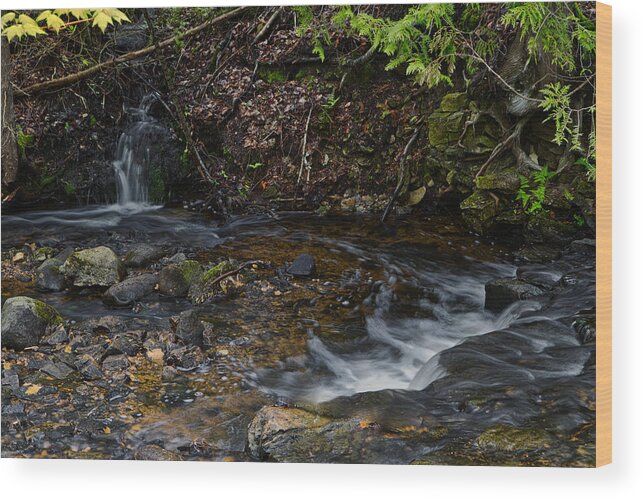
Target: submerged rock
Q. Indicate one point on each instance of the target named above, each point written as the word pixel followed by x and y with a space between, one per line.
pixel 176 279
pixel 25 320
pixel 500 293
pixel 303 266
pixel 130 290
pixel 94 267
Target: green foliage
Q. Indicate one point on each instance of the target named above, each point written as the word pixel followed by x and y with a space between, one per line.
pixel 15 25
pixel 325 118
pixel 255 166
pixel 24 141
pixel 319 31
pixel 590 167
pixel 531 192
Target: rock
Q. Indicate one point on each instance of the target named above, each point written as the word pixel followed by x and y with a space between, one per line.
pixel 18 257
pixel 141 255
pixel 94 267
pixel 115 363
pixel 169 374
pixel 500 293
pixel 88 367
pixel 509 439
pixel 58 370
pixel 273 428
pixel 478 211
pixel 155 453
pixel 414 197
pixel 58 336
pixel 303 266
pixel 128 343
pixel 544 229
pixel 506 181
pixel 25 320
pixel 176 279
pixel 49 276
pixel 445 128
pixel 130 290
pixel 186 358
pixel 189 328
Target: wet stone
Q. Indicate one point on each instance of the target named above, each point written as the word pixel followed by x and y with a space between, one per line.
pixel 25 320
pixel 49 276
pixel 155 453
pixel 88 367
pixel 130 290
pixel 129 343
pixel 115 363
pixel 186 358
pixel 500 293
pixel 58 336
pixel 189 328
pixel 303 266
pixel 58 370
pixel 143 254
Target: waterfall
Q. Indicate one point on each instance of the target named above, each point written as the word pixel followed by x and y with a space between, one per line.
pixel 133 160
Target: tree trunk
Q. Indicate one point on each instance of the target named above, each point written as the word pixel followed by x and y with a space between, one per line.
pixel 9 144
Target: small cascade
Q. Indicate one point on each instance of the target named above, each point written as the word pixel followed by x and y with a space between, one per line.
pixel 133 160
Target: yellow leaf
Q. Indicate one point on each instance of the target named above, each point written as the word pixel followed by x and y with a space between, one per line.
pixel 33 29
pixel 32 389
pixel 107 430
pixel 13 31
pixel 9 16
pixel 25 19
pixel 43 15
pixel 102 20
pixel 55 22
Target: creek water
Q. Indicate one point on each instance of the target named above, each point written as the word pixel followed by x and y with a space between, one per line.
pixel 393 310
pixel 393 328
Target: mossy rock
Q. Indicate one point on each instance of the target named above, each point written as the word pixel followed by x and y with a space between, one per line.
pixel 271 75
pixel 509 439
pixel 505 181
pixel 454 101
pixel 541 228
pixel 202 288
pixel 94 267
pixel 25 320
pixel 478 211
pixel 445 128
pixel 176 279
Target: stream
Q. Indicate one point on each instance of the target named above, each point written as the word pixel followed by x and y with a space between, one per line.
pixel 393 327
pixel 393 351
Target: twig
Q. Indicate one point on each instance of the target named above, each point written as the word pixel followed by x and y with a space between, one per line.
pixel 233 272
pixel 303 149
pixel 402 175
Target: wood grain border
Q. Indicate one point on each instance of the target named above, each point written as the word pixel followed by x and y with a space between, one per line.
pixel 603 234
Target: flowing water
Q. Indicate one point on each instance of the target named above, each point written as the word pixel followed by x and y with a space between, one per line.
pixel 393 328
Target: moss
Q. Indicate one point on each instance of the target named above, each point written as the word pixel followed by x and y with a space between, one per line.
pixel 47 313
pixel 507 181
pixel 509 439
pixel 190 270
pixel 445 128
pixel 271 76
pixel 453 102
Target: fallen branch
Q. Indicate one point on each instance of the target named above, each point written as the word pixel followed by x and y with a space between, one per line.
pixel 268 26
pixel 233 272
pixel 402 175
pixel 136 54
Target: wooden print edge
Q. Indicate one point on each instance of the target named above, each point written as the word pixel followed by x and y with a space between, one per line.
pixel 603 234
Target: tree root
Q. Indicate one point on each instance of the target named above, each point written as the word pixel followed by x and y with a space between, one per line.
pixel 268 26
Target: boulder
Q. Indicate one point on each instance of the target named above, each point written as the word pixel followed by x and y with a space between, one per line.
pixel 143 254
pixel 176 279
pixel 130 290
pixel 303 266
pixel 500 293
pixel 507 181
pixel 25 320
pixel 94 267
